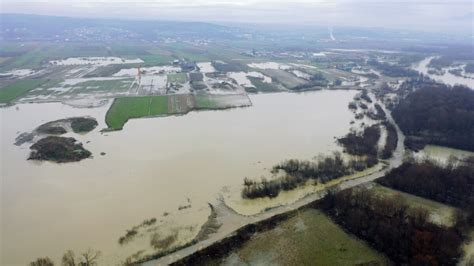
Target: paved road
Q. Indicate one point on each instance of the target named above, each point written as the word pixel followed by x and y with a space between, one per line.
pixel 231 221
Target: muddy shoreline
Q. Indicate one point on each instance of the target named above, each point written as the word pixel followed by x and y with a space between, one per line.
pixel 237 239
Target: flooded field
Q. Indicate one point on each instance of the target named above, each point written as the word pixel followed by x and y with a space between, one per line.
pixel 441 154
pixel 165 174
pixel 308 238
pixel 242 78
pixel 102 61
pixel 447 77
pixel 439 213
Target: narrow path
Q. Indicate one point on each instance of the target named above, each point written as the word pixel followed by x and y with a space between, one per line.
pixel 231 221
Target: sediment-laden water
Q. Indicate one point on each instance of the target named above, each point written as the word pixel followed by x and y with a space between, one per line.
pixel 152 167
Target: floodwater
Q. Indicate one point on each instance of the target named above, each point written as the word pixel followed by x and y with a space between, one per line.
pixel 269 65
pixel 19 73
pixel 441 154
pixel 447 78
pixel 102 61
pixel 206 67
pixel 242 78
pixel 151 167
pixel 155 70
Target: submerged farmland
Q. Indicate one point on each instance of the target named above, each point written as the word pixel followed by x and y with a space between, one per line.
pixel 162 178
pixel 170 164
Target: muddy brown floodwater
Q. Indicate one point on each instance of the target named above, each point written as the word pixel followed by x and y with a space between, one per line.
pixel 152 167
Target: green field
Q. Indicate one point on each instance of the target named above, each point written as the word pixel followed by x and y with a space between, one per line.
pixel 156 59
pixel 18 89
pixel 441 214
pixel 178 78
pixel 34 55
pixel 205 101
pixel 309 238
pixel 127 108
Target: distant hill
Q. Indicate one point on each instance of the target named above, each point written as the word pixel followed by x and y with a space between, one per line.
pixel 51 28
pixel 21 27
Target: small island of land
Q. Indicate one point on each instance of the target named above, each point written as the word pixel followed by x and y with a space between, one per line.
pixel 58 149
pixel 79 125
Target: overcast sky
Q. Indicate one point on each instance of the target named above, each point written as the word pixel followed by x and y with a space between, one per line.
pixel 430 15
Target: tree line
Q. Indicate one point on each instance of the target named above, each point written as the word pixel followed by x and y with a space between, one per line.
pixel 298 172
pixel 391 141
pixel 87 258
pixel 404 234
pixel 437 114
pixel 452 184
pixel 364 143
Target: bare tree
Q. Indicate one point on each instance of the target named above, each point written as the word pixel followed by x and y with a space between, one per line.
pixel 69 259
pixel 89 258
pixel 42 262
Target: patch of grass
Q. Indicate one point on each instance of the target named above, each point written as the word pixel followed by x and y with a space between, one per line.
pixel 440 214
pixel 195 55
pixel 178 78
pixel 205 102
pixel 158 105
pixel 156 59
pixel 263 86
pixel 18 89
pixel 308 238
pixel 31 59
pixel 127 108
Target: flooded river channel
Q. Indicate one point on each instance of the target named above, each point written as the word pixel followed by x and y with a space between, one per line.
pixel 165 168
pixel 447 78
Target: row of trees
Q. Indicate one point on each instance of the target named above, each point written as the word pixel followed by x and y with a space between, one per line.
pixel 297 173
pixel 404 234
pixel 364 143
pixel 377 114
pixel 88 258
pixel 438 114
pixel 452 184
pixel 391 141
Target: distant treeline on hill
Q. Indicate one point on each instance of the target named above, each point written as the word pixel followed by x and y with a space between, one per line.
pixel 437 114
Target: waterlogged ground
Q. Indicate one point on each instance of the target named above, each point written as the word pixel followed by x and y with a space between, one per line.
pixel 447 78
pixel 441 154
pixel 254 206
pixel 439 213
pixel 172 167
pixel 308 238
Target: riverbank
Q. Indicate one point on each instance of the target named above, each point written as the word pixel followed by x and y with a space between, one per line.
pixel 233 223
